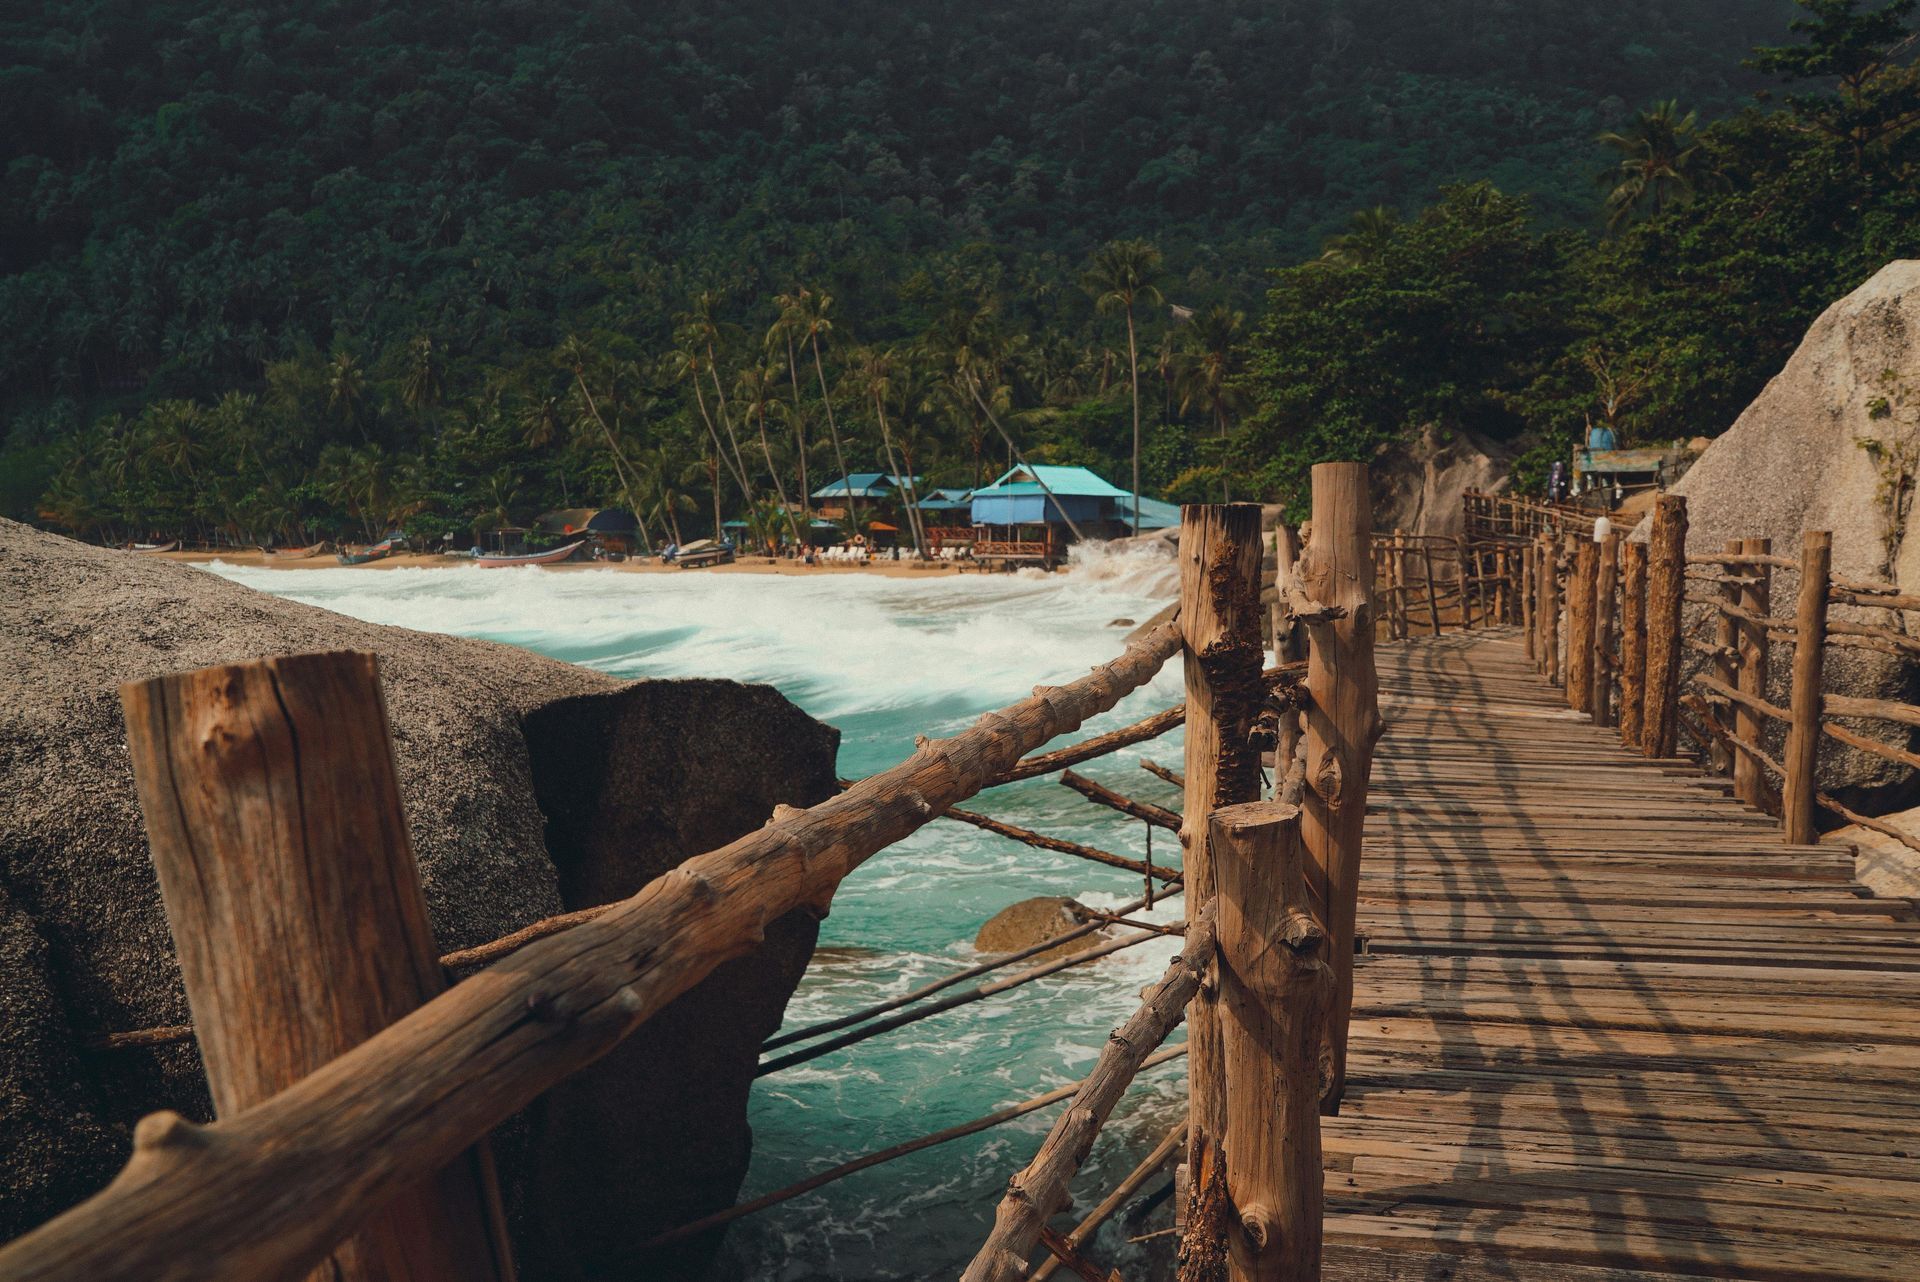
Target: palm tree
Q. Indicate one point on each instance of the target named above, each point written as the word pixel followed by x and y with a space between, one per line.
pixel 786 327
pixel 1368 233
pixel 813 325
pixel 574 356
pixel 347 388
pixel 757 391
pixel 873 372
pixel 424 385
pixel 687 363
pixel 1204 372
pixel 1121 276
pixel 1661 163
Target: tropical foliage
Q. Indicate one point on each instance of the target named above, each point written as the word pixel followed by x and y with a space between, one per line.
pixel 274 275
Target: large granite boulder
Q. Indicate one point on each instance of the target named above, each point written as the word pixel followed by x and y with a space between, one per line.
pixel 1419 484
pixel 1833 443
pixel 532 786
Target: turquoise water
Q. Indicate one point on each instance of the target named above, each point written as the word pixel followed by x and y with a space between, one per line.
pixel 884 660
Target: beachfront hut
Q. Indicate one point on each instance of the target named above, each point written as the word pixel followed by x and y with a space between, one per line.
pixel 882 490
pixel 1030 514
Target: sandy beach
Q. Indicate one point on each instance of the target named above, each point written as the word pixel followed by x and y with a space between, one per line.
pixel 745 565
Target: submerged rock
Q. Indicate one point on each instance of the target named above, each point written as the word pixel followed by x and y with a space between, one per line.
pixel 531 786
pixel 1030 921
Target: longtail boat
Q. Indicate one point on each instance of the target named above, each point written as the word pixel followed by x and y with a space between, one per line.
pixel 295 554
pixel 156 547
pixel 494 562
pixel 372 552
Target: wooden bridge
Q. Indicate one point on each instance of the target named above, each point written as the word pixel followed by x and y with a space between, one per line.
pixel 1608 1018
pixel 1608 1025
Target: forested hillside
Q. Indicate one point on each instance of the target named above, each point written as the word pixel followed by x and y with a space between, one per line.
pixel 423 235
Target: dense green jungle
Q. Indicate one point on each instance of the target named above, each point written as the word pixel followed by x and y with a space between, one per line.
pixel 324 269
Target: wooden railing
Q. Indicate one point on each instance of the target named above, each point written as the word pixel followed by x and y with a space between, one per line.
pixel 352 1130
pixel 1504 516
pixel 1612 629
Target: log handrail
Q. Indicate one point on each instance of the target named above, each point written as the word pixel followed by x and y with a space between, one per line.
pixel 267 1191
pixel 1041 1187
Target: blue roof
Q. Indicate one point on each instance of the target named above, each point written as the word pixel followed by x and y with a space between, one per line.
pixel 1041 479
pixel 945 500
pixel 865 485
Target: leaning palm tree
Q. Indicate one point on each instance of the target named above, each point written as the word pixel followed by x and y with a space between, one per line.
pixel 1204 372
pixel 873 373
pixel 1120 277
pixel 814 326
pixel 1661 164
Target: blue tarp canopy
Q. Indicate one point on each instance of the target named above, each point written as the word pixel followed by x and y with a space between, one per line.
pixel 946 501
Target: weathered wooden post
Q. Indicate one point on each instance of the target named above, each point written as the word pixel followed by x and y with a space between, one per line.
pixel 1220 629
pixel 1343 721
pixel 1750 782
pixel 1601 701
pixel 1462 558
pixel 1809 655
pixel 1633 642
pixel 1289 641
pixel 1275 990
pixel 1529 586
pixel 1666 587
pixel 273 810
pixel 1550 607
pixel 1433 588
pixel 1726 638
pixel 1397 603
pixel 1580 585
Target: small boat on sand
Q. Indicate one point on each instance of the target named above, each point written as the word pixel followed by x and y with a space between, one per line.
pixel 360 556
pixel 294 554
pixel 703 552
pixel 157 547
pixel 490 561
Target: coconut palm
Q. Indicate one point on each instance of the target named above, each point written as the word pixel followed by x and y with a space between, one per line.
pixel 873 373
pixel 687 363
pixel 1661 163
pixel 1204 372
pixel 347 389
pixel 1121 277
pixel 813 326
pixel 1368 233
pixel 785 332
pixel 757 392
pixel 424 385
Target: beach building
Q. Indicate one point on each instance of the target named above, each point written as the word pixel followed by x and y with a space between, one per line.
pixel 1031 514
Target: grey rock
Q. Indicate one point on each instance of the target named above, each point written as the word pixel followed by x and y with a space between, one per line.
pixel 530 785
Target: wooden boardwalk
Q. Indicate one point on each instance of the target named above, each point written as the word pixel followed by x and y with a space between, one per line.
pixel 1609 1026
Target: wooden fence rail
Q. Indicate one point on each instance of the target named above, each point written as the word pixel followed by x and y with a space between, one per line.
pixel 333 1125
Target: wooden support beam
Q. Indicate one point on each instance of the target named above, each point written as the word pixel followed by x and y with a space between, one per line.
pixel 1343 722
pixel 1059 845
pixel 1040 1190
pixel 1801 758
pixel 1433 590
pixel 1633 643
pixel 1606 580
pixel 1116 1198
pixel 1276 986
pixel 1726 654
pixel 1666 584
pixel 1465 583
pixel 1750 783
pixel 1158 816
pixel 1580 589
pixel 266 1193
pixel 1529 591
pixel 1219 611
pixel 1550 607
pixel 273 811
